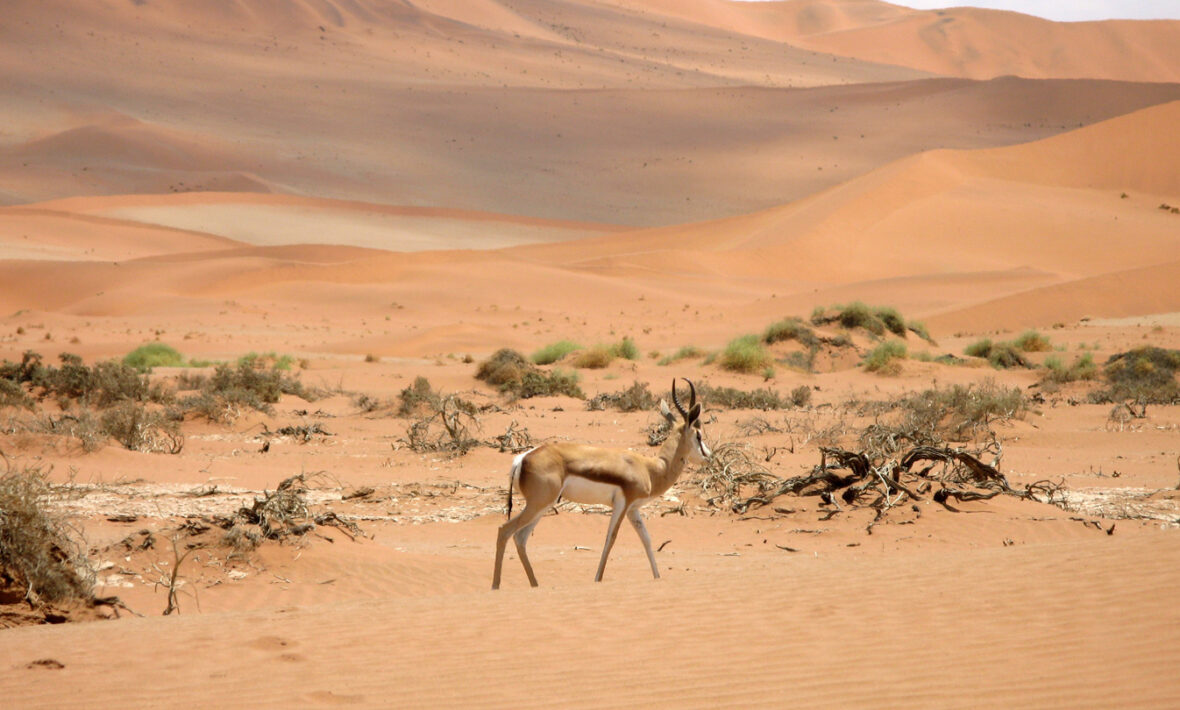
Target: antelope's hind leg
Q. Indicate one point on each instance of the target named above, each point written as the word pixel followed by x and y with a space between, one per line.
pixel 523 523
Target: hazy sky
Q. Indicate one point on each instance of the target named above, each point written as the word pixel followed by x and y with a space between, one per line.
pixel 1071 10
pixel 1068 10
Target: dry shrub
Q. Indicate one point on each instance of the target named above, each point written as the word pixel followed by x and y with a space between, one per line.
pixel 635 398
pixel 1146 374
pixel 41 553
pixel 512 373
pixel 416 398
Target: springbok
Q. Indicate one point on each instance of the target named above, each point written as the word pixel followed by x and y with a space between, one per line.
pixel 592 475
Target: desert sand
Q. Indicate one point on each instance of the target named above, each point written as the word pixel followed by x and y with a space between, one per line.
pixel 384 191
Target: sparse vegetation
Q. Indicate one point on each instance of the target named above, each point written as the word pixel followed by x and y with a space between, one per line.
pixel 685 352
pixel 884 359
pixel 555 351
pixel 876 320
pixel 1083 368
pixel 744 354
pixel 732 398
pixel 1001 356
pixel 249 384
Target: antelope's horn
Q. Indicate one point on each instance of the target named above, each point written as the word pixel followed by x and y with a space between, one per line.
pixel 676 400
pixel 692 396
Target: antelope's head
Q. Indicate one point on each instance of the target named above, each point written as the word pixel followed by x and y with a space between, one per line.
pixel 689 430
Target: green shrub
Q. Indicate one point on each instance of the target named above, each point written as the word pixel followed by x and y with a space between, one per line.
pixel 683 353
pixel 555 351
pixel 153 355
pixel 958 411
pixel 883 359
pixel 626 349
pixel 980 348
pixel 892 320
pixel 744 354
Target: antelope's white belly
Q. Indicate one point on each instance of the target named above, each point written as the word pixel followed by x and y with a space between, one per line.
pixel 587 492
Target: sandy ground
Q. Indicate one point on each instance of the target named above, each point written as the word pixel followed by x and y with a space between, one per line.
pixel 388 191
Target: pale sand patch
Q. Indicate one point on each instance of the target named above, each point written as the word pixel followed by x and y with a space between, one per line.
pixel 273 225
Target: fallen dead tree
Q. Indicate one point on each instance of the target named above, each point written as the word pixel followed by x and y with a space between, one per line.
pixel 851 479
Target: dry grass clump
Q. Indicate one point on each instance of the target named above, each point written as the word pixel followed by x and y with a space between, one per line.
pixel 512 373
pixel 594 358
pixel 41 554
pixel 635 398
pixel 1030 341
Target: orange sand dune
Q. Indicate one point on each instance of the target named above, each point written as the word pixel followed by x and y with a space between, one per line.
pixel 573 110
pixel 955 218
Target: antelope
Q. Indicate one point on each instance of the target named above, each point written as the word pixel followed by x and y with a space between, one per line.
pixel 623 480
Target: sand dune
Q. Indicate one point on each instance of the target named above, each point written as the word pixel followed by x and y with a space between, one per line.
pixel 595 112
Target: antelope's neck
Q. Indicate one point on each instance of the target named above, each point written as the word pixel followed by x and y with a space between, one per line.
pixel 670 462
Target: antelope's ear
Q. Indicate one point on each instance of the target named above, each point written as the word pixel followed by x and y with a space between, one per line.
pixel 694 413
pixel 667 412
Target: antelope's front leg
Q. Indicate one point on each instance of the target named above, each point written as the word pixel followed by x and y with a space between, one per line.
pixel 637 521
